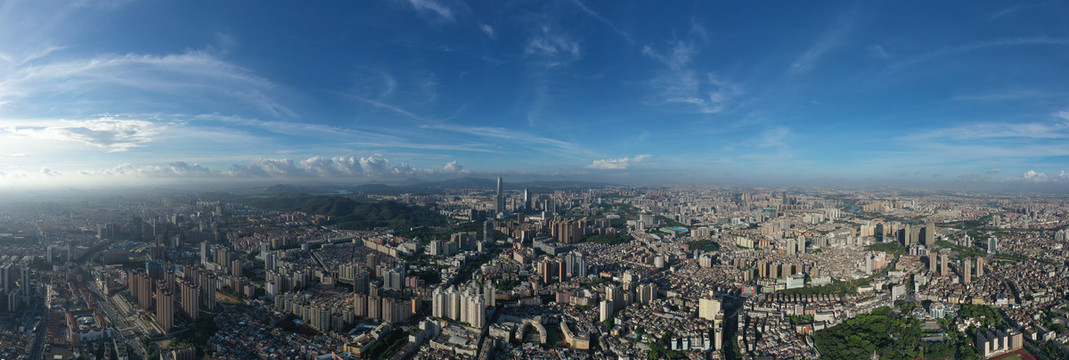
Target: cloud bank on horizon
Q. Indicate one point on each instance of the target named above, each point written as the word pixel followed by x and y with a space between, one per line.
pixel 137 91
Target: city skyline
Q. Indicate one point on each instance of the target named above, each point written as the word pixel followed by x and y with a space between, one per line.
pixel 907 94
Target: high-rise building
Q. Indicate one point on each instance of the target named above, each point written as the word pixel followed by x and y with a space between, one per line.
pixel 165 309
pixel 7 277
pixel 914 235
pixel 204 253
pixel 566 231
pixel 489 293
pixel 575 264
pixel 144 291
pixel 992 245
pixel 980 263
pixel 190 300
pixel 614 295
pixel 453 306
pixel 394 278
pixel 389 310
pixel 944 260
pixel 708 308
pixel 646 293
pixel 526 201
pixel 605 310
pixel 488 230
pixel 222 256
pixel 208 285
pixel 372 262
pixel 235 267
pixel 966 271
pixel 499 203
pixel 374 307
pixel 25 284
pixel 929 235
pixel 270 261
pixel 439 302
pixel 360 305
pixel 169 280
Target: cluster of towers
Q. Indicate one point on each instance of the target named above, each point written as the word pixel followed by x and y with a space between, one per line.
pixel 968 269
pixel 553 270
pixel 467 304
pixel 156 288
pixel 15 284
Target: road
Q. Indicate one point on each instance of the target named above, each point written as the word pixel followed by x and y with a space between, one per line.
pixel 39 341
pixel 119 322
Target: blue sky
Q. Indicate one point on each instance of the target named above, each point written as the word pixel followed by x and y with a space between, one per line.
pixel 694 92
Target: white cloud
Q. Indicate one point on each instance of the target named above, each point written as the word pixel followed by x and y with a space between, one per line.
pixel 453 166
pixel 316 167
pixel 617 164
pixel 994 171
pixel 321 166
pixel 489 31
pixel 1040 177
pixel 1032 175
pixel 50 172
pixel 113 135
pixel 774 137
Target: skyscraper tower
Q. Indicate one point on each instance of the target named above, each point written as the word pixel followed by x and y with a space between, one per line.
pixel 526 201
pixel 499 205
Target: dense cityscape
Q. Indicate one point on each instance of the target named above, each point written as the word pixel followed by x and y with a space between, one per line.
pixel 542 271
pixel 534 179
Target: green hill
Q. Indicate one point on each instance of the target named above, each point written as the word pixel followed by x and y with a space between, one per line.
pixel 355 215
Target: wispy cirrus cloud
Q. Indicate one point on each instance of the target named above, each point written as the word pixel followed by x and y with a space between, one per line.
pixel 433 7
pixel 534 142
pixel 953 50
pixel 991 144
pixel 190 80
pixel 680 84
pixel 553 47
pixel 390 107
pixel 834 37
pixel 1012 10
pixel 603 20
pixel 996 131
pixel 617 164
